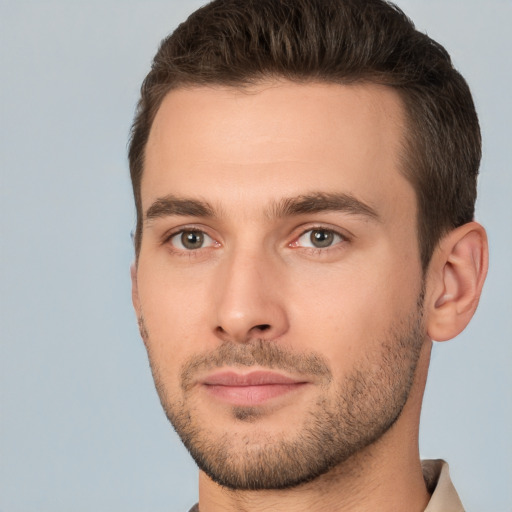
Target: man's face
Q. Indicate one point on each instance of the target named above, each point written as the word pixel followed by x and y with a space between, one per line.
pixel 278 285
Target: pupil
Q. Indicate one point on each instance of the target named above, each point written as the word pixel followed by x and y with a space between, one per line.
pixel 322 238
pixel 192 239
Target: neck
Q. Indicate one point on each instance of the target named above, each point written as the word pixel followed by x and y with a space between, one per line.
pixel 385 476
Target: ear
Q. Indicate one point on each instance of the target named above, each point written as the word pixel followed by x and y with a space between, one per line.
pixel 455 279
pixel 135 288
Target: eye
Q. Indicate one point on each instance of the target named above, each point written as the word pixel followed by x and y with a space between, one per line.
pixel 189 240
pixel 318 238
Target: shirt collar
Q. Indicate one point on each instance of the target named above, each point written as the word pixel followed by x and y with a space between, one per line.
pixel 444 496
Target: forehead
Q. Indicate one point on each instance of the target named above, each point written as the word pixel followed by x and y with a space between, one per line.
pixel 274 139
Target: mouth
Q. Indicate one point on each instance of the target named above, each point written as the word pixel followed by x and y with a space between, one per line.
pixel 250 389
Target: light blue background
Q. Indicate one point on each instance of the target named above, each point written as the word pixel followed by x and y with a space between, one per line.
pixel 81 426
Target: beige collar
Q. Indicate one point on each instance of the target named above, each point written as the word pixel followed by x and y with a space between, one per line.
pixel 444 496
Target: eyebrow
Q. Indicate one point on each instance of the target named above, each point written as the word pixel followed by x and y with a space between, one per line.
pixel 322 202
pixel 183 207
pixel 316 202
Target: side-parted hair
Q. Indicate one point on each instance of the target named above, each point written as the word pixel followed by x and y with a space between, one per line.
pixel 241 42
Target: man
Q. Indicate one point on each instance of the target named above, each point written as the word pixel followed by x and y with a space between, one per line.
pixel 304 174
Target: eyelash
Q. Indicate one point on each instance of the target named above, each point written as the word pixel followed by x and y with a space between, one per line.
pixel 167 240
pixel 294 244
pixel 317 250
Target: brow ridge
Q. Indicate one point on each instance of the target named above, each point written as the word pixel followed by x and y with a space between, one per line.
pixel 172 205
pixel 303 204
pixel 319 202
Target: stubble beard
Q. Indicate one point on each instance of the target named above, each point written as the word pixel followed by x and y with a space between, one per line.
pixel 342 422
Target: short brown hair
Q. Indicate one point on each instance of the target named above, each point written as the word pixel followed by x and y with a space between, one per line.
pixel 239 42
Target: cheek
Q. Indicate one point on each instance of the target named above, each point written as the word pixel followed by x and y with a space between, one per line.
pixel 345 315
pixel 174 313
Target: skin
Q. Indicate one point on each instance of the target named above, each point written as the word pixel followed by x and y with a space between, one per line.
pixel 257 278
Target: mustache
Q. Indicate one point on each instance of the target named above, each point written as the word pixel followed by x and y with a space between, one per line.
pixel 256 352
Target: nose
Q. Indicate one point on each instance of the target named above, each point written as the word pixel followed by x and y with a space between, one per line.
pixel 249 300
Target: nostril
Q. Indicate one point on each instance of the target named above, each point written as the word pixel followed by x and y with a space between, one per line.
pixel 262 327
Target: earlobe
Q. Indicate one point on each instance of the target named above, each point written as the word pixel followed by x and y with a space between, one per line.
pixel 456 277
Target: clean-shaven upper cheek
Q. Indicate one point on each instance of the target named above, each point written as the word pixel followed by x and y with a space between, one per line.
pixel 339 310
